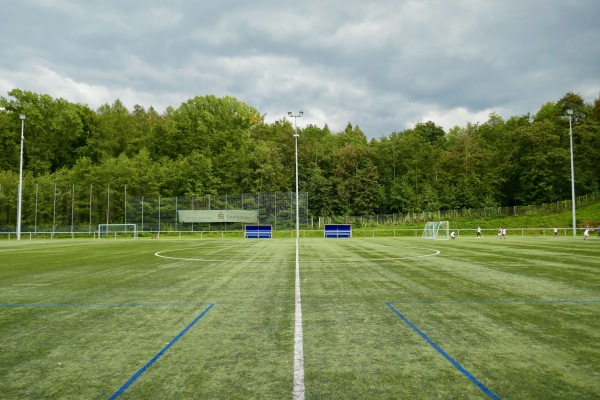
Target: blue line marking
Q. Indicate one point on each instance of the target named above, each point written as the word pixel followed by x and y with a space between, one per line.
pixel 445 355
pixel 158 355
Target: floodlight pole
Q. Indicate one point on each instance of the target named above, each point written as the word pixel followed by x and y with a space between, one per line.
pixel 300 113
pixel 19 203
pixel 570 114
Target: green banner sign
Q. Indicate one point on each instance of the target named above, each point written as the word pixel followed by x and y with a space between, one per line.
pixel 244 216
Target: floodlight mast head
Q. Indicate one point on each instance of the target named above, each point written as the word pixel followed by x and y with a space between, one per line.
pixel 295 116
pixel 570 111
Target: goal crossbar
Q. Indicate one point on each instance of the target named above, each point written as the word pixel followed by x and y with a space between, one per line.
pixel 436 230
pixel 106 230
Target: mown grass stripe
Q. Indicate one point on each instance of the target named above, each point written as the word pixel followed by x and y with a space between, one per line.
pixel 494 302
pixel 41 305
pixel 158 355
pixel 464 371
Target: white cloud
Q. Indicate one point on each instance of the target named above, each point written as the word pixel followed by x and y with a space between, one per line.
pixel 448 119
pixel 42 80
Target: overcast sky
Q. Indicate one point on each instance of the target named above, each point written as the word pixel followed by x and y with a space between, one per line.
pixel 383 65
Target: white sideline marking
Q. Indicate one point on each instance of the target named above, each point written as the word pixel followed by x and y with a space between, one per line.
pixel 298 346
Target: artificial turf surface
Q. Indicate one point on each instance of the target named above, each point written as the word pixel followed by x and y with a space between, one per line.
pixel 383 318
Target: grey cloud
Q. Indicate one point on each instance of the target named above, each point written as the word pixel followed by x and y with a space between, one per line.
pixel 380 65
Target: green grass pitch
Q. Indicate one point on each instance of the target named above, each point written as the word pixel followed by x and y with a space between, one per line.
pixel 81 318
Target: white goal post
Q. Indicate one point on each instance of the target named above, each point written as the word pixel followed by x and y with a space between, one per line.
pixel 117 230
pixel 436 230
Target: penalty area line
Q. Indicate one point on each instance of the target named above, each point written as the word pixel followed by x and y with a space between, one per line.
pixel 462 369
pixel 158 355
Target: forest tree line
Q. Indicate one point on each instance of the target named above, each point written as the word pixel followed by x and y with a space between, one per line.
pixel 211 145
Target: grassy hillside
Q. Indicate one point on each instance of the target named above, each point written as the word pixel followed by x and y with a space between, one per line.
pixel 587 216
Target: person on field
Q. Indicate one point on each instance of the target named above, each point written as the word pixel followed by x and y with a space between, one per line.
pixel 586 233
pixel 599 231
pixel 500 233
pixel 452 235
pixel 479 232
pixel 504 233
pixel 555 232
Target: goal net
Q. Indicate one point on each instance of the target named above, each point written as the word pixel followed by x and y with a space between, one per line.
pixel 436 230
pixel 117 230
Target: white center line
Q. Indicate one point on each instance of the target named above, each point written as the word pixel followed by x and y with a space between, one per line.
pixel 298 346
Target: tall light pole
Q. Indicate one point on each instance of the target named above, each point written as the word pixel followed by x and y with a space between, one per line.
pixel 290 114
pixel 19 202
pixel 570 114
pixel 298 393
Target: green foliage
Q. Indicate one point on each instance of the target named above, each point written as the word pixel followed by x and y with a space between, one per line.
pixel 211 145
pixel 9 142
pixel 549 111
pixel 323 192
pixel 53 130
